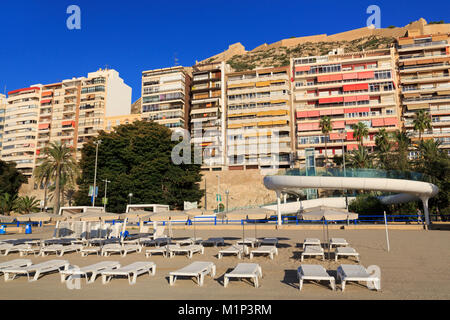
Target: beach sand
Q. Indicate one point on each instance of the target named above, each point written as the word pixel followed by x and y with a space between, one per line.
pixel 417 267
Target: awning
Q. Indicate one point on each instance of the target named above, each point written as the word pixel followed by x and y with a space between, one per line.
pixel 47 94
pixel 366 75
pixel 233 126
pixel 352 146
pixel 278 101
pixel 302 68
pixel 314 113
pixel 263 84
pixel 377 122
pixel 350 76
pixel 331 100
pixel 46 101
pixel 338 124
pixel 44 126
pixel 251 84
pixel 418 106
pixel 338 111
pixel 326 112
pixel 390 121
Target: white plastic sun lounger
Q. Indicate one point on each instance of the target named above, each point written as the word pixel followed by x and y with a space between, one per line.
pixel 37 269
pixel 269 242
pixel 17 263
pixel 5 247
pixel 269 250
pixel 189 241
pixel 350 272
pixel 214 241
pixel 237 249
pixel 314 272
pixel 190 250
pixel 58 248
pixel 94 270
pixel 162 250
pixel 132 271
pixel 311 242
pixel 196 269
pixel 346 252
pixel 85 251
pixel 156 242
pixel 253 242
pixel 313 251
pixel 338 242
pixel 23 249
pixel 244 270
pixel 121 249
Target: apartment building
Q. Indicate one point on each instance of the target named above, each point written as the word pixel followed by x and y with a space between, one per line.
pixel 349 88
pixel 259 133
pixel 71 111
pixel 424 67
pixel 166 96
pixel 2 117
pixel 20 128
pixel 207 115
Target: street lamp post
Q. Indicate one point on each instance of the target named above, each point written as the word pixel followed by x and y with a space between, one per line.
pixel 95 172
pixel 218 192
pixel 130 195
pixel 106 187
pixel 343 162
pixel 227 192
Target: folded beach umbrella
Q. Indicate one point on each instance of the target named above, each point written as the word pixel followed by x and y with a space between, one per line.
pixel 40 217
pixel 327 214
pixel 246 214
pixel 171 216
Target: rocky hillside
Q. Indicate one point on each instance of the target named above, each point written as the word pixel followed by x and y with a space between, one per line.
pixel 281 56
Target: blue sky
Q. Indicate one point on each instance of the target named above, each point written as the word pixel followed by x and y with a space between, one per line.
pixel 135 35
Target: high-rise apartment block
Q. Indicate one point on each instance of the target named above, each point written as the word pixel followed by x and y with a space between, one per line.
pixel 208 114
pixel 166 96
pixel 259 119
pixel 349 88
pixel 2 117
pixel 71 111
pixel 424 67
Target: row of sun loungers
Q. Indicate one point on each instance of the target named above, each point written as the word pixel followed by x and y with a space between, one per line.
pixel 197 270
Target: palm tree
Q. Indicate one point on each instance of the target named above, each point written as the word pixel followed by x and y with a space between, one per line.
pixel 422 122
pixel 360 131
pixel 361 158
pixel 7 203
pixel 26 204
pixel 382 146
pixel 61 166
pixel 325 125
pixel 402 143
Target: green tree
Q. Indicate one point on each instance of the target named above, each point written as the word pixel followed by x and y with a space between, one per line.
pixel 360 158
pixel 60 165
pixel 137 158
pixel 7 203
pixel 26 204
pixel 325 126
pixel 11 179
pixel 435 162
pixel 360 131
pixel 398 160
pixel 422 122
pixel 383 146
